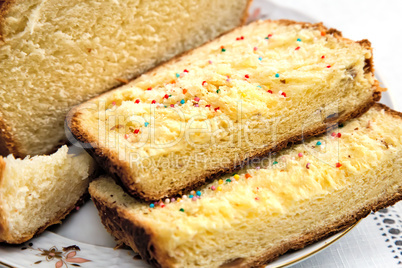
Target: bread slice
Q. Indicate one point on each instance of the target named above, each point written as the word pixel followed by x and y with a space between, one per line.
pixel 55 54
pixel 40 191
pixel 306 193
pixel 243 95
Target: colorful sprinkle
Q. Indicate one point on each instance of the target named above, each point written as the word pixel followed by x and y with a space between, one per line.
pixel 137 101
pixel 146 124
pixel 298 40
pixel 248 176
pixel 182 101
pixel 166 96
pixel 150 88
pixel 220 181
pixel 208 106
pixel 257 198
pixel 218 91
pixel 219 188
pixel 323 33
pixel 243 94
pixel 283 94
pixel 167 201
pixel 210 61
pixel 151 205
pixel 153 102
pixel 269 91
pixel 196 105
pixel 204 83
pixel 172 200
pixel 318 143
pixel 228 180
pixel 192 192
pixel 184 91
pixel 277 75
pixel 255 48
pixel 247 76
pixel 297 48
pixel 333 134
pixel 275 162
pixel 308 165
pixel 259 86
pixel 260 58
pixel 338 165
pixel 126 136
pixel 237 177
pixel 172 105
pixel 181 210
pixel 177 75
pixel 194 198
pixel 114 103
pixel 213 188
pixel 322 57
pixel 257 168
pixel 179 199
pixel 185 70
pixel 328 66
pixel 184 197
pixel 239 38
pixel 223 49
pixel 190 196
pixel 198 193
pixel 196 99
pixel 136 131
pixel 300 154
pixel 216 109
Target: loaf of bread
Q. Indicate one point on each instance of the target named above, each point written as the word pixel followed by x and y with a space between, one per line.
pixel 56 54
pixel 242 95
pixel 304 194
pixel 40 191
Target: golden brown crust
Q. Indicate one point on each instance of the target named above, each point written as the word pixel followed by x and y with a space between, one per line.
pixel 7 144
pixel 3 221
pixel 126 229
pixel 4 7
pixel 120 171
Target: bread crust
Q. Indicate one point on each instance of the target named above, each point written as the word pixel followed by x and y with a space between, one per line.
pixel 128 230
pixel 8 144
pixel 120 171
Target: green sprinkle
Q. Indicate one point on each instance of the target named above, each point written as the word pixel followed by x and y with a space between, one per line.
pixel 165 106
pixel 182 209
pixel 170 96
pixel 266 37
pixel 275 162
pixel 318 143
pixel 228 180
pixel 218 91
pixel 177 75
pixel 223 49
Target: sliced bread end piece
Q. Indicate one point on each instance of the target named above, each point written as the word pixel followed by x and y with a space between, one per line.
pixel 40 191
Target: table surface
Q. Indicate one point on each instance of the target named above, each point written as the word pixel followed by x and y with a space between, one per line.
pixel 377 240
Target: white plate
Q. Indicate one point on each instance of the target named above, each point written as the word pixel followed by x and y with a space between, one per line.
pixel 94 246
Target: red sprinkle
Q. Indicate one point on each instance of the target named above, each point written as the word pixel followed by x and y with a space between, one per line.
pixel 136 131
pixel 322 57
pixel 208 105
pixel 269 91
pixel 240 38
pixel 166 96
pixel 222 47
pixel 257 198
pixel 283 94
pixel 247 76
pixel 204 82
pixel 153 102
pixel 338 165
pixel 308 165
pixel 162 206
pixel 137 101
pixel 248 176
pixel 126 136
pixel 297 48
pixel 269 35
pixel 185 70
pixel 329 66
pixel 196 99
pixel 184 91
pixel 255 48
pixel 339 135
pixel 322 33
pixel 333 134
pixel 149 88
pixel 216 109
pixel 171 105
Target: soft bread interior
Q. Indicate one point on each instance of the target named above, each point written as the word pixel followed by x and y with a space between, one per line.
pixel 39 191
pixel 228 100
pixel 56 54
pixel 273 208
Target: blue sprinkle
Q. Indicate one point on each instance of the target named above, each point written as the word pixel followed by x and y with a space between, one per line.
pixel 259 86
pixel 199 193
pixel 151 205
pixel 276 75
pixel 260 58
pixel 190 196
pixel 182 101
pixel 298 40
pixel 318 143
pixel 177 75
pixel 146 124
